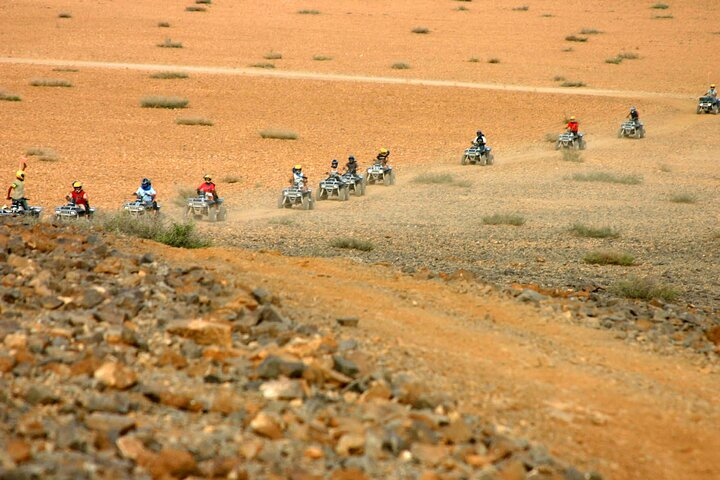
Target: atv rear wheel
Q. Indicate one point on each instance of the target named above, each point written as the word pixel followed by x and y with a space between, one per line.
pixel 490 159
pixel 306 202
pixel 212 214
pixel 281 201
pixel 222 214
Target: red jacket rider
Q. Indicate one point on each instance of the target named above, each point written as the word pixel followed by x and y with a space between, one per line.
pixel 78 196
pixel 573 125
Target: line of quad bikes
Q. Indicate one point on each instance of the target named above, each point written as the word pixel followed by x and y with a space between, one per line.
pixel 335 186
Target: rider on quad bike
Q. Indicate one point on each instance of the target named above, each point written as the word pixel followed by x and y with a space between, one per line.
pixel 382 157
pixel 351 166
pixel 479 140
pixel 209 187
pixel 16 192
pixel 334 172
pixel 78 197
pixel 298 177
pixel 147 194
pixel 634 116
pixel 712 92
pixel 573 127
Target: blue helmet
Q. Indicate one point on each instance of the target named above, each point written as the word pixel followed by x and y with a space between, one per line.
pixel 146 184
pixel 351 159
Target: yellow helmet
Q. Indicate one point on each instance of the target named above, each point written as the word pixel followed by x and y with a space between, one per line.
pixel 207 178
pixel 572 117
pixel 712 85
pixel 297 167
pixel 20 175
pixel 384 151
pixel 76 184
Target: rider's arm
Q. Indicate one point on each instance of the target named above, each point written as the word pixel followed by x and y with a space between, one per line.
pixel 9 192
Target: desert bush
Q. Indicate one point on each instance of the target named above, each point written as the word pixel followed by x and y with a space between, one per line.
pixel 231 179
pixel 321 58
pixel 169 43
pixel 400 66
pixel 575 38
pixel 440 179
pixel 203 2
pixel 504 219
pixel 163 24
pixel 558 78
pixel 547 15
pixel 522 8
pixel 181 235
pixel 50 82
pixel 463 0
pixel 462 8
pixel 683 198
pixel 169 75
pixel 64 15
pixel 568 49
pixel 581 230
pixel 353 244
pixel 614 60
pixel 572 156
pixel 660 6
pixel 43 154
pixel 644 289
pixel 65 69
pixel 163 102
pixel 590 31
pixel 609 257
pixel 663 17
pixel 308 12
pixel 473 60
pixel 195 8
pixel 273 56
pixel 194 121
pixel 494 60
pixel 665 168
pixel 9 97
pixel 278 134
pixel 628 55
pixel 420 30
pixel 263 65
pixel 573 84
pixel 608 178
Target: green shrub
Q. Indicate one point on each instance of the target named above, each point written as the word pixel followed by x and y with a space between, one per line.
pixel 683 198
pixel 163 102
pixel 169 43
pixel 663 17
pixel 474 60
pixel 575 38
pixel 593 232
pixel 273 56
pixel 614 60
pixel 151 227
pixel 43 154
pixel 608 178
pixel 322 58
pixel 263 65
pixel 644 289
pixel 203 2
pixel 572 84
pixel 278 134
pixel 504 219
pixel 308 12
pixel 169 75
pixel 420 30
pixel 9 97
pixel 590 31
pixel 660 6
pixel 353 244
pixel 194 121
pixel 462 8
pixel 50 82
pixel 628 55
pixel 609 257
pixel 65 69
pixel 195 8
pixel 400 66
pixel 523 8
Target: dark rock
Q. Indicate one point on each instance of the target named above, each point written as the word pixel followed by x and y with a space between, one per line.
pixel 262 296
pixel 345 366
pixel 269 313
pixel 348 321
pixel 90 298
pixel 272 367
pixel 41 395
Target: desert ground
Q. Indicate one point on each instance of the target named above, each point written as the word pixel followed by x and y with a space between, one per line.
pixel 625 387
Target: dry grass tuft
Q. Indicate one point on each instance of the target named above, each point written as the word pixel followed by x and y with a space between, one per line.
pixel 523 8
pixel 169 75
pixel 575 38
pixel 322 58
pixel 9 97
pixel 420 30
pixel 64 15
pixel 194 121
pixel 50 82
pixel 400 66
pixel 278 134
pixel 195 8
pixel 309 12
pixel 609 257
pixel 163 24
pixel 573 84
pixel 644 289
pixel 585 231
pixel 273 56
pixel 263 65
pixel 169 43
pixel 607 178
pixel 494 60
pixel 353 244
pixel 683 198
pixel 504 219
pixel 43 154
pixel 163 102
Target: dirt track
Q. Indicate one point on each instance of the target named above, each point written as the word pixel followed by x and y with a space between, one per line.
pixel 590 397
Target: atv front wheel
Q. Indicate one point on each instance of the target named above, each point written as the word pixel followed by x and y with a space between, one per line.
pixel 281 201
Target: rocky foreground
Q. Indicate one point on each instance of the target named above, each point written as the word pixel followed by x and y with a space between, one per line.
pixel 115 365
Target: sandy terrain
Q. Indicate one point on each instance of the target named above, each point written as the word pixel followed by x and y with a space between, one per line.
pixel 592 398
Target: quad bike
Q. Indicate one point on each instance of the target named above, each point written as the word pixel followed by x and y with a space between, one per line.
pixel 478 155
pixel 138 207
pixel 631 129
pixel 71 211
pixel 380 173
pixel 355 182
pixel 568 140
pixel 16 210
pixel 297 194
pixel 203 207
pixel 333 187
pixel 707 104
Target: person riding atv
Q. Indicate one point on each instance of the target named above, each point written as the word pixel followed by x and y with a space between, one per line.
pixel 147 194
pixel 298 178
pixel 16 192
pixel 334 172
pixel 712 92
pixel 634 116
pixel 382 158
pixel 573 126
pixel 209 187
pixel 79 197
pixel 479 140
pixel 351 166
